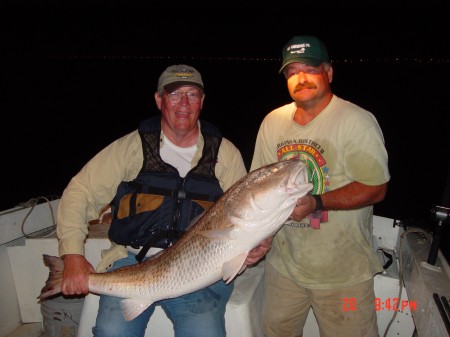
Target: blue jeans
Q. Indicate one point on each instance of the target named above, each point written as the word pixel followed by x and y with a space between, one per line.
pixel 198 314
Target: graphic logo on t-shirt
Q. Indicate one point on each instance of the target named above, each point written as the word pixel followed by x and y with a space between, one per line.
pixel 312 155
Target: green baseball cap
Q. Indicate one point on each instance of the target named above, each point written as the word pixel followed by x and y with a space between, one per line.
pixel 179 75
pixel 304 49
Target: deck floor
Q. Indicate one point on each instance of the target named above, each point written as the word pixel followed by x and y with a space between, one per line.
pixel 28 330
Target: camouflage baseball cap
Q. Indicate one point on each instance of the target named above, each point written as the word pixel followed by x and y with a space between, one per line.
pixel 178 75
pixel 305 49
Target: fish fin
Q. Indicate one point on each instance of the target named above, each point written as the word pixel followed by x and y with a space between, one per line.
pixel 194 220
pixel 219 234
pixel 244 266
pixel 132 308
pixel 55 277
pixel 233 267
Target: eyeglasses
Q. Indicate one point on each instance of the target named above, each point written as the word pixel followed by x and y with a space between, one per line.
pixel 192 96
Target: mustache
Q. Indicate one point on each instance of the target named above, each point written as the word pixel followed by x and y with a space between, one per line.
pixel 306 85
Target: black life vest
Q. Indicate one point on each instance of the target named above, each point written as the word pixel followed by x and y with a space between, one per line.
pixel 156 208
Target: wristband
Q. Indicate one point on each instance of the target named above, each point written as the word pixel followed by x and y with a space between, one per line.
pixel 319 203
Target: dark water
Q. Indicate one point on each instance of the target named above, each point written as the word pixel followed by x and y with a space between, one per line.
pixel 59 112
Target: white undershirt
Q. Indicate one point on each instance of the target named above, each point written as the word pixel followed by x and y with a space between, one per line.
pixel 178 157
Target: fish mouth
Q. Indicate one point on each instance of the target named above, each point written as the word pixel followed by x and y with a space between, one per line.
pixel 297 185
pixel 298 176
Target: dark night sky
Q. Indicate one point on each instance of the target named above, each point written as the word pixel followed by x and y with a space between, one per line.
pixel 75 80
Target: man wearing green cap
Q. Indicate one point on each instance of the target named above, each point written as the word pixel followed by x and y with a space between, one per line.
pixel 323 257
pixel 176 165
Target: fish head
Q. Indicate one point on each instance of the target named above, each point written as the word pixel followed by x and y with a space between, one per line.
pixel 266 197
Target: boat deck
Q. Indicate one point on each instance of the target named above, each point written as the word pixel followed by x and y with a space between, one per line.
pixel 28 330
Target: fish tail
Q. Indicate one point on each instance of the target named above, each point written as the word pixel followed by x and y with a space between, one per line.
pixel 55 277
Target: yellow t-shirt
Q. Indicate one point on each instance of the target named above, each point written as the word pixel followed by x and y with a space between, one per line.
pixel 344 143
